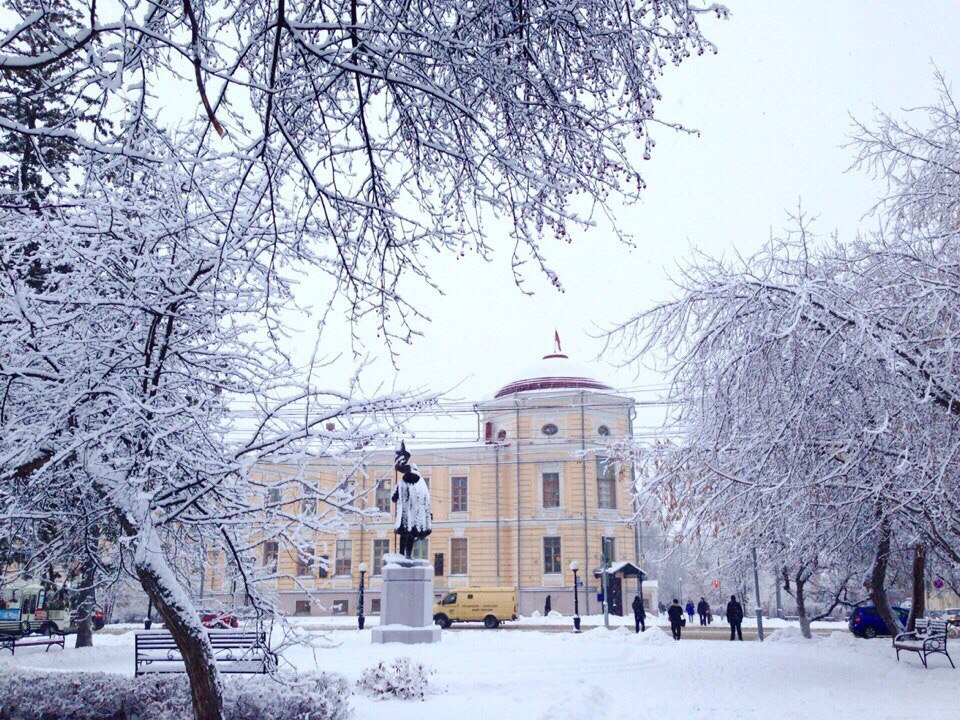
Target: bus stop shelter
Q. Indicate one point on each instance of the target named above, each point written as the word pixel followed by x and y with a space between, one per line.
pixel 616 572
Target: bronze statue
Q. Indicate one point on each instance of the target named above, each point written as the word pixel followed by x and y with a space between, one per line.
pixel 413 519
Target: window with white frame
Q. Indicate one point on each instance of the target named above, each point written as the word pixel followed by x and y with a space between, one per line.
pixel 606 484
pixel 458 493
pixel 383 495
pixel 419 549
pixel 458 556
pixel 271 551
pixel 381 546
pixel 344 557
pixel 552 562
pixel 550 488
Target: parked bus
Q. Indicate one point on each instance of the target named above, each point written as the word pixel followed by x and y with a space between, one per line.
pixel 39 610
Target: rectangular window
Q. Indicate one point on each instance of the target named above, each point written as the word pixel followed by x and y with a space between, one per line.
pixel 438 565
pixel 609 549
pixel 374 606
pixel 302 608
pixel 551 555
pixel 344 557
pixel 383 495
pixel 380 547
pixel 273 496
pixel 308 505
pixel 420 549
pixel 323 566
pixel 606 485
pixel 458 556
pixel 458 494
pixel 340 607
pixel 270 552
pixel 551 489
pixel 304 565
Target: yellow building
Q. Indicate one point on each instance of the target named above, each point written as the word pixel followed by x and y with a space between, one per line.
pixel 514 508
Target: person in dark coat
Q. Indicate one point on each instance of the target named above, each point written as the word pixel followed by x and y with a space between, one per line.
pixel 735 617
pixel 639 614
pixel 675 613
pixel 546 606
pixel 703 609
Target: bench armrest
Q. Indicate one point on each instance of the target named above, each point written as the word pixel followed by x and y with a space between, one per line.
pixel 912 635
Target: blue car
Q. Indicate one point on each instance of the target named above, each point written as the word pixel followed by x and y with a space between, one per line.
pixel 866 622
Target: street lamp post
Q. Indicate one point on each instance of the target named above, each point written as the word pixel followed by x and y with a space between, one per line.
pixel 756 589
pixel 360 619
pixel 574 566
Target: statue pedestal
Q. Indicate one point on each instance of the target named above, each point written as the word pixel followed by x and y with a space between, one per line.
pixel 406 602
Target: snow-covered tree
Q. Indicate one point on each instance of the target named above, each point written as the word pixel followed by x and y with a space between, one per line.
pixel 817 392
pixel 387 129
pixel 117 378
pixel 354 139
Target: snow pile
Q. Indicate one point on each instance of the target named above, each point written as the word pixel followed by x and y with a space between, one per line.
pixel 790 634
pixel 655 636
pixel 582 702
pixel 536 615
pixel 403 679
pixel 31 695
pixel 842 640
pixel 555 614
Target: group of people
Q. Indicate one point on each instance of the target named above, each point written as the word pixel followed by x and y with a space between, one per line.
pixel 677 621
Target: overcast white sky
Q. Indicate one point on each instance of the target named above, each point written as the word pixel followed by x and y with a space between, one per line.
pixel 774 111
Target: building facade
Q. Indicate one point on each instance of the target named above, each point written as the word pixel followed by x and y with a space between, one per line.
pixel 534 493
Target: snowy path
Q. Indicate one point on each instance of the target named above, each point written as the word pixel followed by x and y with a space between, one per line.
pixel 600 674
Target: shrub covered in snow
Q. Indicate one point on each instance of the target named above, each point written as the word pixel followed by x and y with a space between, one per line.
pixel 403 678
pixel 31 695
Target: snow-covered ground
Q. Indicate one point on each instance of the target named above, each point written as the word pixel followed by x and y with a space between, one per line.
pixel 612 674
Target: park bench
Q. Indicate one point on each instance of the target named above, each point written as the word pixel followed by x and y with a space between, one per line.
pixel 13 635
pixel 928 638
pixel 236 651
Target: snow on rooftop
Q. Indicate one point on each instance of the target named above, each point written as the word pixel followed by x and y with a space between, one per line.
pixel 552 372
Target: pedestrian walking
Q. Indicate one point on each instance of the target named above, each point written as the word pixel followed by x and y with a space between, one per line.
pixel 546 606
pixel 689 610
pixel 639 614
pixel 675 613
pixel 703 609
pixel 735 617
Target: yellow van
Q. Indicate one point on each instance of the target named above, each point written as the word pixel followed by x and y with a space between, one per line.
pixel 491 606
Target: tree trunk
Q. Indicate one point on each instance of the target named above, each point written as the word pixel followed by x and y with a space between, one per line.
pixel 183 622
pixel 876 585
pixel 802 608
pixel 919 597
pixel 88 599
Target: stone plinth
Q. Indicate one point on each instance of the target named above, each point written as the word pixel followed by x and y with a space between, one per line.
pixel 406 602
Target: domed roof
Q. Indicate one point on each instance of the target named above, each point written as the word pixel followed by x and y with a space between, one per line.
pixel 554 372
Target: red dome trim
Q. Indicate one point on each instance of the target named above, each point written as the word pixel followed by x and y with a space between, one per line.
pixel 551 383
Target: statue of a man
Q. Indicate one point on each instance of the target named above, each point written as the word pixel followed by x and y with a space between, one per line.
pixel 412 496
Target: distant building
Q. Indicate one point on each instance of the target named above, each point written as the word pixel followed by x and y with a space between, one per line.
pixel 512 509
